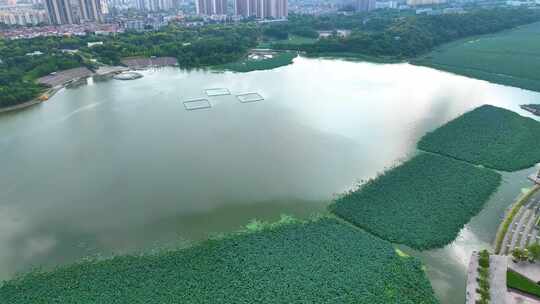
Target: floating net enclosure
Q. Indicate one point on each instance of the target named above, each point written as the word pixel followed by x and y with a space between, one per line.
pixel 217 92
pixel 249 97
pixel 197 104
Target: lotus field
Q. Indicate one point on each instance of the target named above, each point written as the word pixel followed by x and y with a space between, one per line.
pixel 422 203
pixel 488 136
pixel 322 261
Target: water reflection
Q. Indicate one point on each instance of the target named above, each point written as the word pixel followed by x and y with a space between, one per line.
pixel 121 166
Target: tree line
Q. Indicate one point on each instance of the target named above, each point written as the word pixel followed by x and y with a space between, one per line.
pixel 406 36
pixel 379 34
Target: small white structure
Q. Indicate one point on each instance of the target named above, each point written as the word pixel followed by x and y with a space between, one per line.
pixel 217 92
pixel 35 53
pixel 91 44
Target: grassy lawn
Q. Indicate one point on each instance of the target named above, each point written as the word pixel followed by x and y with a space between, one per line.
pixel 511 57
pixel 422 203
pixel 320 261
pixel 517 281
pixel 489 136
pixel 293 40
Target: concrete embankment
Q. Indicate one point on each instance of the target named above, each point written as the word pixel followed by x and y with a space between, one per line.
pixel 49 93
pixel 510 227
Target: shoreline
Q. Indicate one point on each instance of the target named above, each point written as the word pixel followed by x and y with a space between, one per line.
pixel 108 73
pixel 50 92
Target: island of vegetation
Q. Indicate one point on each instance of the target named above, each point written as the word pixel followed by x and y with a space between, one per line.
pixel 489 136
pixel 318 261
pixel 260 60
pixel 422 203
pixel 378 36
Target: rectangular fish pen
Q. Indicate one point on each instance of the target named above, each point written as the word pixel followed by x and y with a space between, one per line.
pixel 197 104
pixel 249 97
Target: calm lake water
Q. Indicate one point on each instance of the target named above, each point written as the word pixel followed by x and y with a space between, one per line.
pixel 121 166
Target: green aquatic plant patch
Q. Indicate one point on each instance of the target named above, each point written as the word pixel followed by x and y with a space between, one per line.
pixel 488 136
pixel 422 203
pixel 247 65
pixel 321 261
pixel 509 57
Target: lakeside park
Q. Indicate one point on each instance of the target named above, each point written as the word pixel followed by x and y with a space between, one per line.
pixel 360 223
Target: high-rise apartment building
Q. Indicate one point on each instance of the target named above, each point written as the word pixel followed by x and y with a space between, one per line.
pixel 90 10
pixel 211 7
pixel 424 2
pixel 154 5
pixel 66 12
pixel 262 9
pixel 59 11
pixel 365 5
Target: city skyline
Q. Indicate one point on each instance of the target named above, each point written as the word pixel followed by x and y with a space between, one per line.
pixel 262 9
pixel 365 5
pixel 211 7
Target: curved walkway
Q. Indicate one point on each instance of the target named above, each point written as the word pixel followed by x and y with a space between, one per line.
pixel 523 230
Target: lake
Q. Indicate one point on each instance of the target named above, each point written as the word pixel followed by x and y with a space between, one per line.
pixel 121 166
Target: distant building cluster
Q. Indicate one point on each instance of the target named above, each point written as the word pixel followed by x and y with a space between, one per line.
pixel 154 5
pixel 211 7
pixel 60 31
pixel 365 5
pixel 22 16
pixel 262 9
pixel 73 12
pixel 387 4
pixel 424 2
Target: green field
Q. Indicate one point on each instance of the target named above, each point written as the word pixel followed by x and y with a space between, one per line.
pixel 422 203
pixel 488 136
pixel 321 261
pixel 248 65
pixel 517 281
pixel 292 40
pixel 510 57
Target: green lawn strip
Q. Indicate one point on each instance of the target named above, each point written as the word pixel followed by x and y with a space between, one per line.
pixel 518 281
pixel 248 65
pixel 293 40
pixel 490 136
pixel 354 57
pixel 319 261
pixel 422 203
pixel 510 217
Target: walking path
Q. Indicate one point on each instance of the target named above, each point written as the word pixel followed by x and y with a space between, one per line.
pixel 523 230
pixel 497 278
pixel 472 284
